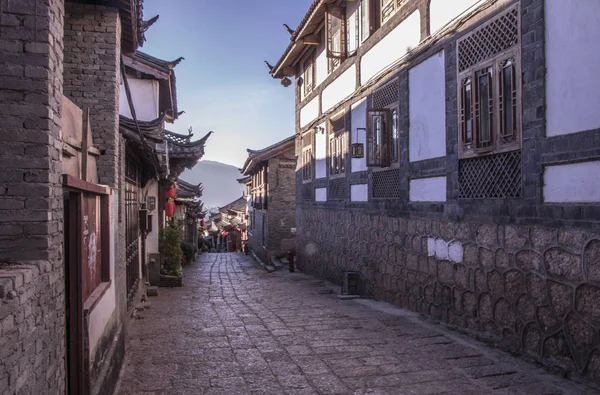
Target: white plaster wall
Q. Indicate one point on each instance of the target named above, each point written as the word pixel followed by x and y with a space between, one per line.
pixel 427 108
pixel 320 152
pixel 338 90
pixel 309 112
pixel 144 94
pixel 321 194
pixel 105 308
pixel 152 237
pixel 359 120
pixel 359 193
pixel 572 183
pixel 321 61
pixel 443 11
pixel 100 316
pixel 431 189
pixel 572 59
pixel 391 48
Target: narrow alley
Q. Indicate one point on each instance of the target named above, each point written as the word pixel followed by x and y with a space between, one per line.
pixel 235 329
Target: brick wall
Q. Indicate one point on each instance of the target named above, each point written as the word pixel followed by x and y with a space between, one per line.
pixel 282 203
pixel 92 71
pixel 92 62
pixel 32 315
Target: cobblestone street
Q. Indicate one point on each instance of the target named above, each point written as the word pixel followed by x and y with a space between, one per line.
pixel 236 329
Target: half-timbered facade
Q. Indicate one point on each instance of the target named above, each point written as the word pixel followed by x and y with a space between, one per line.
pixel 455 146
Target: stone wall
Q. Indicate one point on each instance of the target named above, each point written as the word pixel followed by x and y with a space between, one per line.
pixel 531 289
pixel 32 296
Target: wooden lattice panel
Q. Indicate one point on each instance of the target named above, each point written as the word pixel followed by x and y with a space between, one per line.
pixel 386 184
pixel 337 189
pixel 492 38
pixel 308 191
pixel 339 124
pixel 386 95
pixel 307 140
pixel 494 176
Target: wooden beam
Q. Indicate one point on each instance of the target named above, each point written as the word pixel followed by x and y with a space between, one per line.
pixel 312 39
pixel 289 71
pixel 84 143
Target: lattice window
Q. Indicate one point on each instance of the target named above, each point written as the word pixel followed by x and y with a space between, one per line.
pixel 308 192
pixel 338 124
pixel 493 176
pixel 389 8
pixel 307 140
pixel 495 36
pixel 385 184
pixel 490 87
pixel 337 189
pixel 386 95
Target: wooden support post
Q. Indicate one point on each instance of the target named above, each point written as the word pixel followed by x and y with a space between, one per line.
pixel 84 143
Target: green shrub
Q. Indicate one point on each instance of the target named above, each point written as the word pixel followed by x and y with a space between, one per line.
pixel 169 246
pixel 188 250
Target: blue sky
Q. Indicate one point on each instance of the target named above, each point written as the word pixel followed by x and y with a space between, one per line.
pixel 223 84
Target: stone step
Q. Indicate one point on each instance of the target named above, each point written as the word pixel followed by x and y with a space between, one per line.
pixel 152 290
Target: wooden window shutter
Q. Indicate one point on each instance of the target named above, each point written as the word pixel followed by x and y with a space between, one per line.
pixel 336 16
pixel 378 138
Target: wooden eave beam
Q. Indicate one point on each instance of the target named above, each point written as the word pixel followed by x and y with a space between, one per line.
pixel 312 39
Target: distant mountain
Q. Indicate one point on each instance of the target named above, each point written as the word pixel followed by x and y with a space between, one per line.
pixel 219 181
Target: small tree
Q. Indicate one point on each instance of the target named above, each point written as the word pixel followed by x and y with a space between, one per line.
pixel 169 246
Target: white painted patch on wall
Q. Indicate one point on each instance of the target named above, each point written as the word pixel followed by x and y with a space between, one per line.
pixel 431 189
pixel 144 94
pixel 572 94
pixel 359 120
pixel 320 194
pixel 309 112
pixel 391 48
pixel 100 316
pixel 320 152
pixel 442 12
pixel 359 193
pixel 447 251
pixel 321 63
pixel 338 90
pixel 572 183
pixel 427 109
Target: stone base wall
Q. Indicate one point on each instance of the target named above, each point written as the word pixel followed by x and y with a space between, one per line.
pixel 533 290
pixel 32 322
pixel 170 281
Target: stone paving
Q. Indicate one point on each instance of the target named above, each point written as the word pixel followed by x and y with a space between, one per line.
pixel 236 329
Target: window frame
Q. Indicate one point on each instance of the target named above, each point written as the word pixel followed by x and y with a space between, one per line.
pixel 307 158
pixel 335 56
pixel 337 151
pixel 500 141
pixel 387 159
pixel 309 63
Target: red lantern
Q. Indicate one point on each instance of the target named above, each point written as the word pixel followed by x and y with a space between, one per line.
pixel 171 192
pixel 169 209
pixel 202 223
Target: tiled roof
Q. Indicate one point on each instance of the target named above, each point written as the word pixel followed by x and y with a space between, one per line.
pixel 258 156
